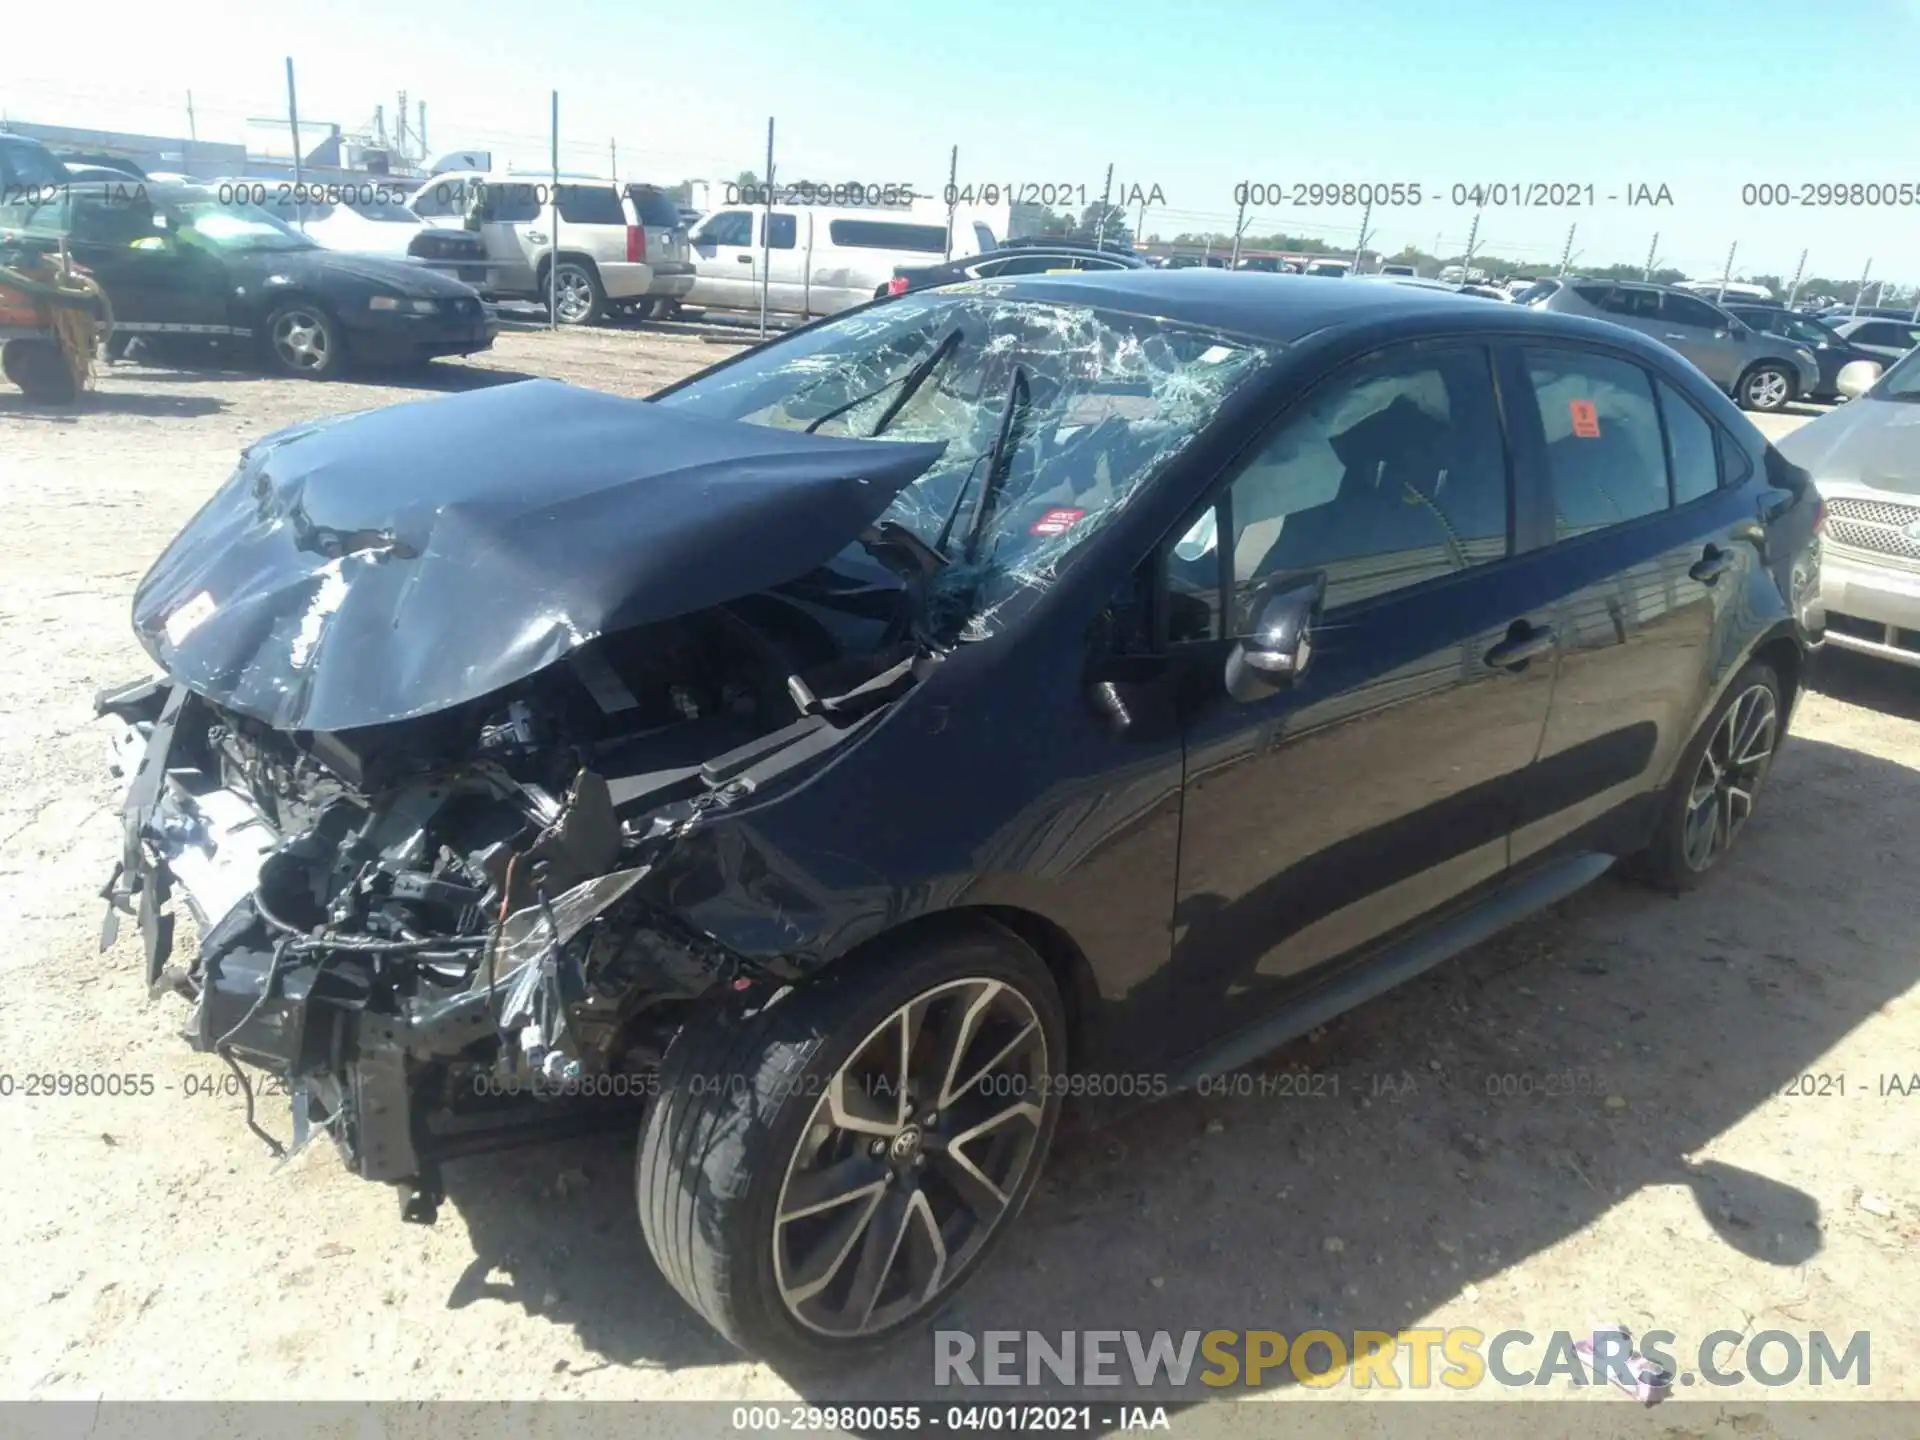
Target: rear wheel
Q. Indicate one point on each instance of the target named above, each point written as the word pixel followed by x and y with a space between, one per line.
pixel 1767 386
pixel 1718 782
pixel 577 296
pixel 821 1175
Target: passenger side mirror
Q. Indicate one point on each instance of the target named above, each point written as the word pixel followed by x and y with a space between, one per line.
pixel 1273 642
pixel 1857 377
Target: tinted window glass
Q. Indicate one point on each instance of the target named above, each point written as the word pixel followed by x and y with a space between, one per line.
pixel 591 205
pixel 512 204
pixel 1691 448
pixel 1594 294
pixel 1685 310
pixel 1394 473
pixel 1604 449
pixel 1735 464
pixel 729 227
pixel 1539 290
pixel 1031 265
pixel 983 237
pixel 781 230
pixel 25 164
pixel 109 222
pixel 889 235
pixel 654 207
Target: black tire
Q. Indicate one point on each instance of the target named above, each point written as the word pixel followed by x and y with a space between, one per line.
pixel 40 370
pixel 582 298
pixel 1671 860
pixel 1767 387
pixel 302 339
pixel 739 1097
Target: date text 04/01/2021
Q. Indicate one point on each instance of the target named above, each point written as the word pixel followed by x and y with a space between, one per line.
pixel 952 1419
pixel 1410 194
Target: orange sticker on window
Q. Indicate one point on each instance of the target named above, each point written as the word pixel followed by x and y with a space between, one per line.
pixel 1586 419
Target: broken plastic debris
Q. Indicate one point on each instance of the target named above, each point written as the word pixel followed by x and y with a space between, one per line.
pixel 1610 1356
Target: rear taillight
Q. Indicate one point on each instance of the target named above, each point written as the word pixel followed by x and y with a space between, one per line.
pixel 897 285
pixel 636 243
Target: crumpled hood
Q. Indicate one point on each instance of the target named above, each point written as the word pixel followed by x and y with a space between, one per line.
pixel 373 567
pixel 1864 442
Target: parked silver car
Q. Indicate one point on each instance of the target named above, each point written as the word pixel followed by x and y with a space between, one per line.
pixel 1865 459
pixel 1885 340
pixel 1760 371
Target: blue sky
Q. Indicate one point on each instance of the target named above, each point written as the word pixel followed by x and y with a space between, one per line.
pixel 1701 96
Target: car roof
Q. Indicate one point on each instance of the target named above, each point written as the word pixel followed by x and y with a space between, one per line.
pixel 1278 308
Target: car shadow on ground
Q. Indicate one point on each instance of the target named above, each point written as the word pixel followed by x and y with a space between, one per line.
pixel 440 376
pixel 1882 685
pixel 111 402
pixel 1478 1116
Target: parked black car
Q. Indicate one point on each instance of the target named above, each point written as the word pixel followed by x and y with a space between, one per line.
pixel 185 263
pixel 1077 686
pixel 1014 258
pixel 1831 350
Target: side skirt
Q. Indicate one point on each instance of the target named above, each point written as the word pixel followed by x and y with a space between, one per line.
pixel 1398 963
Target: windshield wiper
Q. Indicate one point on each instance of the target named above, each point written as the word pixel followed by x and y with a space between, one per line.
pixel 1013 410
pixel 915 378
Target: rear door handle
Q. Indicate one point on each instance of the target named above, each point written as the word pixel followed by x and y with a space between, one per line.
pixel 1522 644
pixel 1711 565
pixel 1675 335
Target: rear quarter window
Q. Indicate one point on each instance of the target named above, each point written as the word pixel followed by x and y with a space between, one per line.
pixel 654 207
pixel 591 205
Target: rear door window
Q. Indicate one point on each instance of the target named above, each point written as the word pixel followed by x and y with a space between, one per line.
pixel 780 231
pixel 1606 453
pixel 510 203
pixel 1685 310
pixel 654 207
pixel 729 227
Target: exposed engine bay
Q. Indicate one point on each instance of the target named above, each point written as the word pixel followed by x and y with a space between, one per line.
pixel 436 930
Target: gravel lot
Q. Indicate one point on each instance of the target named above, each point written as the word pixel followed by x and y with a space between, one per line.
pixel 158 1252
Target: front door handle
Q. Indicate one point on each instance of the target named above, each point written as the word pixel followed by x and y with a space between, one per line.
pixel 1522 644
pixel 1711 565
pixel 744 259
pixel 1675 335
pixel 536 238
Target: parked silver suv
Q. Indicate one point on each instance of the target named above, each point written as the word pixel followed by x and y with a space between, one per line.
pixel 1760 371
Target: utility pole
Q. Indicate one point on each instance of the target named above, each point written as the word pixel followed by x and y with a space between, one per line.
pixel 193 129
pixel 1473 238
pixel 553 196
pixel 1106 201
pixel 1140 225
pixel 953 197
pixel 1862 288
pixel 613 159
pixel 1566 252
pixel 1798 270
pixel 1647 274
pixel 1726 272
pixel 766 231
pixel 400 119
pixel 1239 227
pixel 1366 216
pixel 293 121
pixel 423 130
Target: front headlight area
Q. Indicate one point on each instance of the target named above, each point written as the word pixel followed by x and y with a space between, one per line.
pixel 402 303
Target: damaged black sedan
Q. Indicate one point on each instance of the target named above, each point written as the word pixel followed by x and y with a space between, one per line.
pixel 1070 686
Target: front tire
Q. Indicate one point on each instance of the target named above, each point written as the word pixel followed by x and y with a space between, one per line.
pixel 303 340
pixel 1766 387
pixel 1717 783
pixel 40 370
pixel 825 1173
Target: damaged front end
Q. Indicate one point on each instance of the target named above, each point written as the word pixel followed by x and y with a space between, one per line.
pixel 426 909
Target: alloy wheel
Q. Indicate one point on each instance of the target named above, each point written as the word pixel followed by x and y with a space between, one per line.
pixel 1767 390
pixel 914 1154
pixel 1731 769
pixel 575 295
pixel 300 340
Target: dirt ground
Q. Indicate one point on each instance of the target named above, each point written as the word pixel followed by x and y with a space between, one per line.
pixel 155 1250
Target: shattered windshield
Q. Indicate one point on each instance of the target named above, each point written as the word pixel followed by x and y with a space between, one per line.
pixel 1087 403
